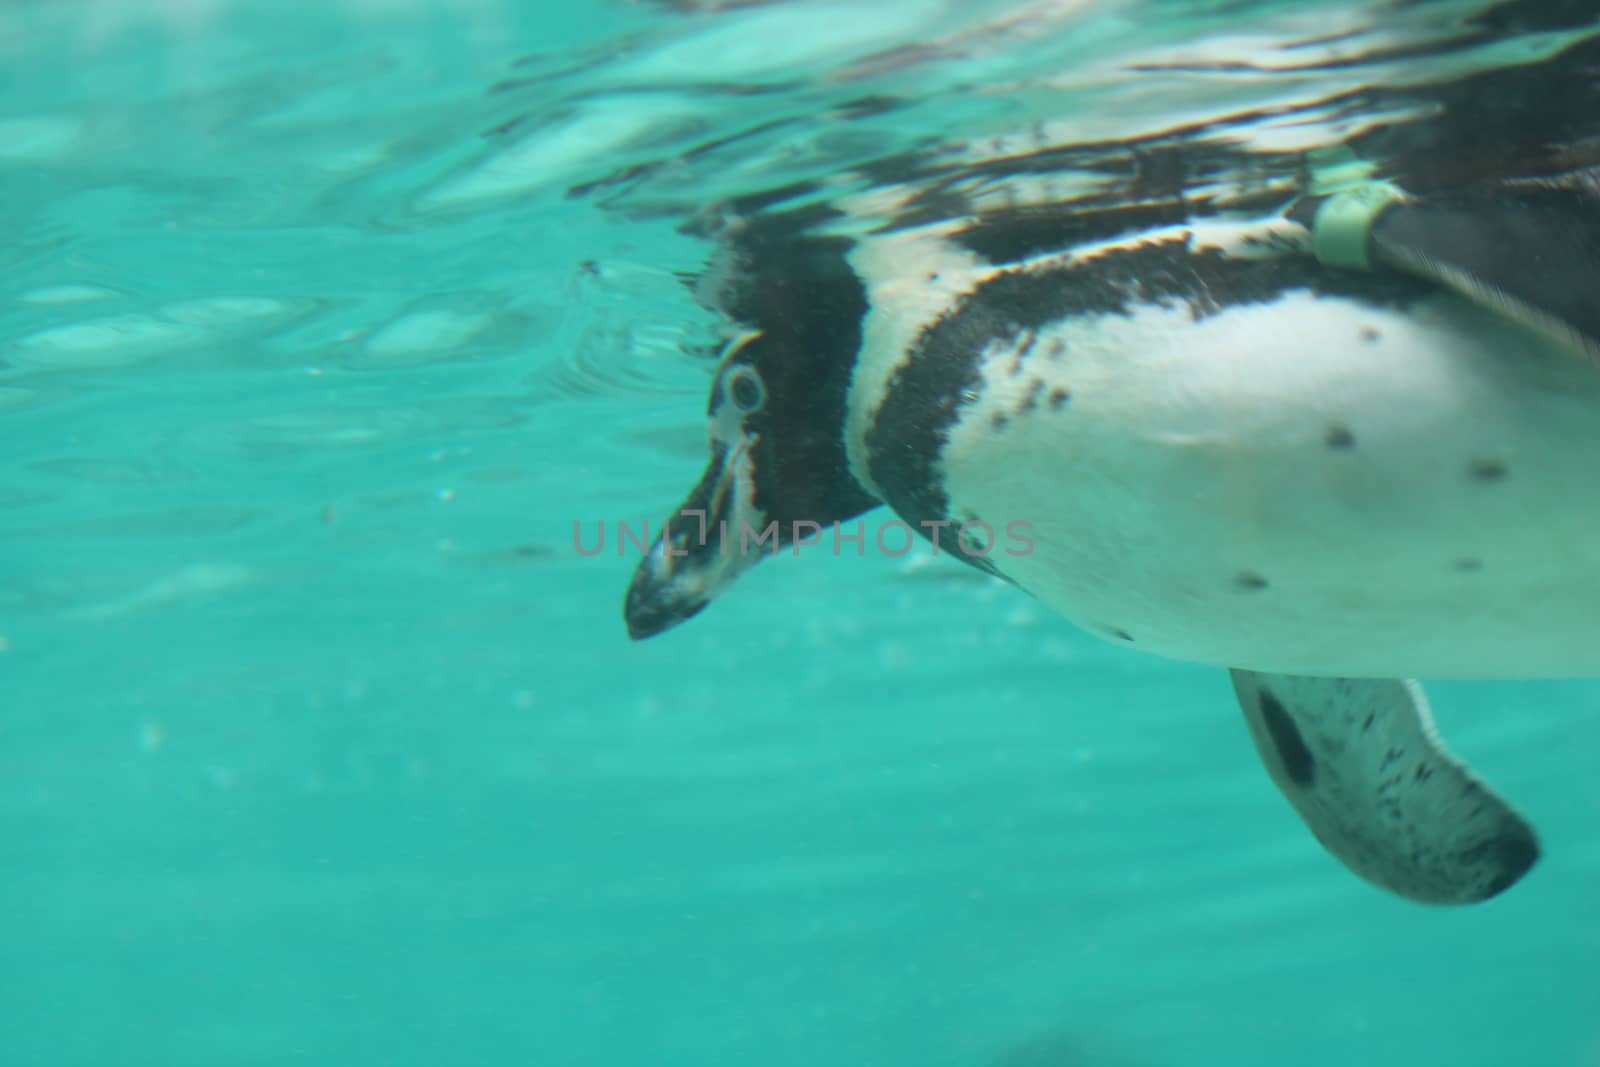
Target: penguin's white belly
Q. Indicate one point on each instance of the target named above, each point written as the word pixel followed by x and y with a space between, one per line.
pixel 1307 486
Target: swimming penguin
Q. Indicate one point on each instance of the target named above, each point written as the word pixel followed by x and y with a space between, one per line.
pixel 1329 447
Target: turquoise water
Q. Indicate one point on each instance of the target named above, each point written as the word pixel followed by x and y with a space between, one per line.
pixel 320 326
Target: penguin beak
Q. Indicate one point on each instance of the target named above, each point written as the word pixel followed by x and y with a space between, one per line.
pixel 698 552
pixel 652 606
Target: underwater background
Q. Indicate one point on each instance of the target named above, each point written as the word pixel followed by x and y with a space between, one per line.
pixel 325 328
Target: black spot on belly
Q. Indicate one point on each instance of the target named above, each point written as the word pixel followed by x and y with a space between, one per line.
pixel 1339 438
pixel 1297 760
pixel 1030 399
pixel 1119 634
pixel 1370 334
pixel 1468 565
pixel 1488 470
pixel 1250 581
pixel 1059 398
pixel 999 420
pixel 1024 349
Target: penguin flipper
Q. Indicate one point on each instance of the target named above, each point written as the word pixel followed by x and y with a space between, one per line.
pixel 1360 761
pixel 1530 251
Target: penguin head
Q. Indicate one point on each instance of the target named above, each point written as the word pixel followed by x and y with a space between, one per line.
pixel 778 473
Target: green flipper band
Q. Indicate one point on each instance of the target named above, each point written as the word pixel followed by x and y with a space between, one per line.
pixel 1344 222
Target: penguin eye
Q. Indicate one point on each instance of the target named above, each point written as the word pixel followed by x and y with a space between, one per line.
pixel 745 390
